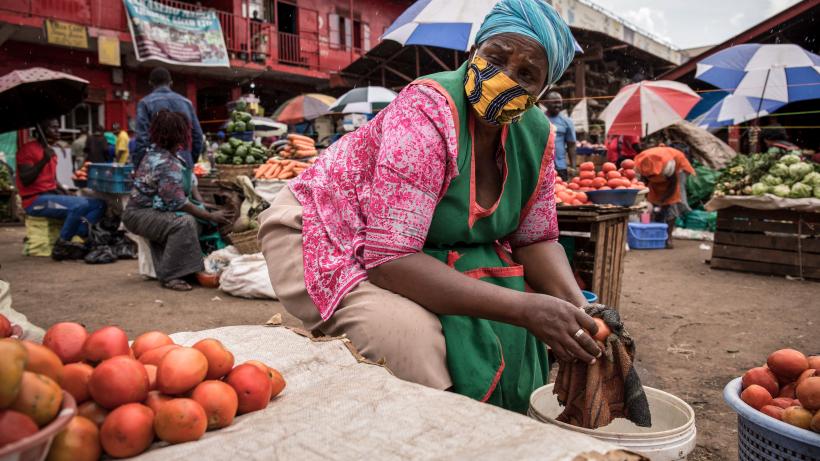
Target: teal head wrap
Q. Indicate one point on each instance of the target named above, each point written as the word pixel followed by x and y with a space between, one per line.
pixel 535 19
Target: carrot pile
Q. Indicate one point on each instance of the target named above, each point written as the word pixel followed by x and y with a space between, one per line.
pixel 281 169
pixel 297 146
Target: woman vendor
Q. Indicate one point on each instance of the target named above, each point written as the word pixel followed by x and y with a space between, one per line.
pixel 161 208
pixel 664 169
pixel 429 237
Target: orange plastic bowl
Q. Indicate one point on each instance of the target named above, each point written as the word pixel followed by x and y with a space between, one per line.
pixel 208 280
pixel 35 447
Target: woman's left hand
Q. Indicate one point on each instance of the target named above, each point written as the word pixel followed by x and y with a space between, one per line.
pixel 567 329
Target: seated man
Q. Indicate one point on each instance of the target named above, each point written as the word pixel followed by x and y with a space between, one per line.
pixel 43 197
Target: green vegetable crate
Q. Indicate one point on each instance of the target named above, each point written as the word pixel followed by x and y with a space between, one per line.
pixel 775 242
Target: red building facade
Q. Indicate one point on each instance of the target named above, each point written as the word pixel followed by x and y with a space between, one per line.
pixel 278 49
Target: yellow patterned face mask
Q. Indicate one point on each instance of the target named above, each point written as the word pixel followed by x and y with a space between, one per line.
pixel 498 99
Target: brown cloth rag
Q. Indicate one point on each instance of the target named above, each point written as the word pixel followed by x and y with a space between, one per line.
pixel 596 394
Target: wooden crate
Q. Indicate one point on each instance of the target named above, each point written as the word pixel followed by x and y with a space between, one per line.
pixel 604 231
pixel 775 242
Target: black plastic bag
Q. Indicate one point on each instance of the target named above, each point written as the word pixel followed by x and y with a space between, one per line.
pixel 102 254
pixel 68 251
pixel 123 247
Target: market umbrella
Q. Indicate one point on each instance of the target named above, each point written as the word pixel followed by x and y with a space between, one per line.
pixel 303 107
pixel 735 109
pixel 29 96
pixel 364 100
pixel 784 73
pixel 643 108
pixel 450 24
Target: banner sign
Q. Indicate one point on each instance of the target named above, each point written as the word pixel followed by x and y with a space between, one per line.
pixel 175 36
pixel 108 50
pixel 66 34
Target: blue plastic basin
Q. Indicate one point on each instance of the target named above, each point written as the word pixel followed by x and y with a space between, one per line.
pixel 619 197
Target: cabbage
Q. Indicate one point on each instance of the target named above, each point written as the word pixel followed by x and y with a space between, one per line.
pixel 800 169
pixel 812 179
pixel 800 190
pixel 771 180
pixel 780 170
pixel 816 191
pixel 790 159
pixel 759 188
pixel 781 190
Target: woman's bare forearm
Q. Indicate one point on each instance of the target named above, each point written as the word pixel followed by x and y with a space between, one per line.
pixel 444 291
pixel 547 271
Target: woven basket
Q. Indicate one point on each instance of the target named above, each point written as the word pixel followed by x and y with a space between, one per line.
pixel 245 242
pixel 228 173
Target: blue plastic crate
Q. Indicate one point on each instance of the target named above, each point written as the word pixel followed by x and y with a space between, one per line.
pixel 650 236
pixel 110 178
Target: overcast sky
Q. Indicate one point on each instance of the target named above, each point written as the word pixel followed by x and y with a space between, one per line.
pixel 692 23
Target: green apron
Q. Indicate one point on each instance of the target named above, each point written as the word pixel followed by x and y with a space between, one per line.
pixel 489 361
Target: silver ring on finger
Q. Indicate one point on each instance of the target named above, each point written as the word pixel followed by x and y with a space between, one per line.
pixel 579 333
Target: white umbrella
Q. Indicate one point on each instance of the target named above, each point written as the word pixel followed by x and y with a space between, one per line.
pixel 364 100
pixel 735 109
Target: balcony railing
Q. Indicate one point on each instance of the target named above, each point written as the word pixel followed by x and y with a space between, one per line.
pixel 245 39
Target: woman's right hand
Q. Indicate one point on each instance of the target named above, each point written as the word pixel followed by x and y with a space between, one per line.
pixel 556 322
pixel 220 217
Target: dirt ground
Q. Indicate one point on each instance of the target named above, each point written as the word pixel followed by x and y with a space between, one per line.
pixel 696 328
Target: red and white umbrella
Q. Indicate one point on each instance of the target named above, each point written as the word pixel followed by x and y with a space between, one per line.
pixel 643 108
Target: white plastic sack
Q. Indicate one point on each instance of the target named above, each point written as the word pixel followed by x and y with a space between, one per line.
pixel 247 277
pixel 30 331
pixel 336 408
pixel 217 261
pixel 269 189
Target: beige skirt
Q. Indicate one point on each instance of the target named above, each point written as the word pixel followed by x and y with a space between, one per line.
pixel 383 325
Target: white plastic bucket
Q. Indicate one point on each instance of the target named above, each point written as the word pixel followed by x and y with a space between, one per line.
pixel 671 437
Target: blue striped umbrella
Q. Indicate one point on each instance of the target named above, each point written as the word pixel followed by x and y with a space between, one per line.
pixel 450 24
pixel 784 73
pixel 735 109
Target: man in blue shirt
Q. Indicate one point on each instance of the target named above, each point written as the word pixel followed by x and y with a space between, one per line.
pixel 163 97
pixel 564 135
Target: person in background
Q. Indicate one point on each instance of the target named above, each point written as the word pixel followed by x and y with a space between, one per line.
pixel 163 97
pixel 622 147
pixel 777 142
pixel 132 142
pixel 120 145
pixel 78 147
pixel 160 208
pixel 564 135
pixel 96 147
pixel 43 197
pixel 664 170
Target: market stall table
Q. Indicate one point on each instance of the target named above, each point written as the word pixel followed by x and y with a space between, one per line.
pixel 598 259
pixel 336 406
pixel 767 235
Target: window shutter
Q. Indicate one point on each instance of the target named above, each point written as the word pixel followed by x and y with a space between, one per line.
pixel 348 33
pixel 366 37
pixel 333 23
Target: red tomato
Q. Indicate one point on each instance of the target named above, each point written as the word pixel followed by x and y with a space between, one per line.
pixel 582 197
pixel 573 186
pixel 629 173
pixel 604 188
pixel 628 164
pixel 587 166
pixel 601 174
pixel 613 175
pixel 598 182
pixel 608 166
pixel 613 183
pixel 586 174
pixel 621 187
pixel 575 180
pixel 586 183
pixel 585 189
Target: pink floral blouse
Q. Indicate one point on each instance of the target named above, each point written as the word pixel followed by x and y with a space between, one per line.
pixel 370 197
